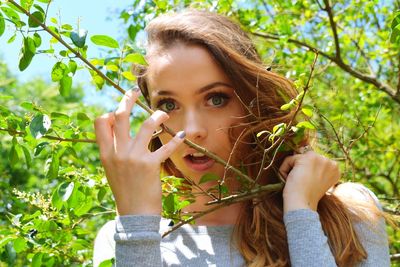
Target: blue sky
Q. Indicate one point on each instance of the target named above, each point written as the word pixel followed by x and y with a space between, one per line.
pixel 98 17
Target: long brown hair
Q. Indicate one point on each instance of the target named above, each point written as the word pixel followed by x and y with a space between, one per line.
pixel 259 232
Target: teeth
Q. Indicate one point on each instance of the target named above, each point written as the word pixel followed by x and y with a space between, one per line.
pixel 197 154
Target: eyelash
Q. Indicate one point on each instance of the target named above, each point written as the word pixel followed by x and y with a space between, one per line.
pixel 209 96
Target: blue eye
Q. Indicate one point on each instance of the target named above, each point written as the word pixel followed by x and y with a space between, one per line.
pixel 218 99
pixel 166 105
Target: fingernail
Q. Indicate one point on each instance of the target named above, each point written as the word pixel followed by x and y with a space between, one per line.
pixel 181 134
pixel 136 89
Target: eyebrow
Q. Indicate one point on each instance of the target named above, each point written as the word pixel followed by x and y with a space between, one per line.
pixel 198 92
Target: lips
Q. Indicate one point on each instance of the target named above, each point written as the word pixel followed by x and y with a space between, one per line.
pixel 198 161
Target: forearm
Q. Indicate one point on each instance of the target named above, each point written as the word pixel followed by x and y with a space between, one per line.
pixel 138 241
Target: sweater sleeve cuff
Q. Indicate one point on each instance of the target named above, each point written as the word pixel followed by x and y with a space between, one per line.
pixel 137 227
pixel 300 215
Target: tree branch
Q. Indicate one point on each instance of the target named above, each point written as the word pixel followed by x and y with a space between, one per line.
pixel 395 257
pixel 328 9
pixel 353 72
pixel 227 201
pixel 50 137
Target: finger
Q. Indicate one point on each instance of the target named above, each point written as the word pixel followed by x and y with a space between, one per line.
pixel 122 114
pixel 148 127
pixel 287 165
pixel 166 150
pixel 104 133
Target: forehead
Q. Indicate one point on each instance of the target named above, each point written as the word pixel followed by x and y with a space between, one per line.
pixel 183 67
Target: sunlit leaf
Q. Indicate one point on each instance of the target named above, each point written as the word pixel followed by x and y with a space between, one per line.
pixel 104 40
pixel 28 50
pixel 58 71
pixel 40 124
pixel 136 58
pixel 79 37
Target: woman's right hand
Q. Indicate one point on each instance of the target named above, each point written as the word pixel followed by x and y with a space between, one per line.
pixel 132 170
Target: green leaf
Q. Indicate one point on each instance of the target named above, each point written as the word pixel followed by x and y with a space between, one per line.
pixel 20 245
pixel 307 110
pixel 39 17
pixel 52 166
pixel 129 76
pixel 27 4
pixel 13 156
pixel 395 34
pixel 169 203
pixel 40 125
pixel 305 124
pixel 60 116
pixel 136 58
pixel 98 81
pixel 100 195
pixel 5 241
pixel 104 40
pixel 58 71
pixel 2 24
pixel 12 39
pixel 72 66
pixel 37 39
pixel 86 204
pixel 37 260
pixel 132 31
pixel 286 106
pixel 11 14
pixel 79 37
pixel 278 126
pixel 107 263
pixel 28 50
pixel 27 105
pixel 39 148
pixel 28 158
pixel 82 117
pixel 65 190
pixel 65 85
pixel 39 8
pixel 208 177
pixel 56 200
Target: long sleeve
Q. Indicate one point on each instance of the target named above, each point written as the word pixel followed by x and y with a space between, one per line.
pixel 308 245
pixel 137 241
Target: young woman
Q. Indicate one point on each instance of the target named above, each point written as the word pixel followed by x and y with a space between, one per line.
pixel 207 82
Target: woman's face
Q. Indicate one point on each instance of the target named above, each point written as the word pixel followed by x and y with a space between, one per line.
pixel 187 83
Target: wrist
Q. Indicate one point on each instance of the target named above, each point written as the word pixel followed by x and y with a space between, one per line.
pixel 294 202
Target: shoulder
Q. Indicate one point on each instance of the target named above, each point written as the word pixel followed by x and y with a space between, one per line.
pixel 104 244
pixel 106 231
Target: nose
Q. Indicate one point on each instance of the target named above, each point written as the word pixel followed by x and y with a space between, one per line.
pixel 195 126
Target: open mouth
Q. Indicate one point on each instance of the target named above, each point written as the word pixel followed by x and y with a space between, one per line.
pixel 198 161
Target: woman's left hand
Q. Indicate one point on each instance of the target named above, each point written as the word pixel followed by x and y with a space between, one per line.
pixel 308 177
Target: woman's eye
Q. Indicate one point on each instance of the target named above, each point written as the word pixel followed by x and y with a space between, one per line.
pixel 217 100
pixel 166 106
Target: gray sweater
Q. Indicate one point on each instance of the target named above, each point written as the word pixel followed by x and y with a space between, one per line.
pixel 136 241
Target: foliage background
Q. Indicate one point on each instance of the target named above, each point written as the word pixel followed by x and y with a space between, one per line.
pixel 53 193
